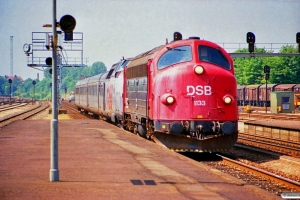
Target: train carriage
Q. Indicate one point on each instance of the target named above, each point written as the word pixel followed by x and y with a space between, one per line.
pixel 265 94
pixel 117 82
pixel 284 87
pixel 252 95
pixel 92 93
pixel 241 95
pixel 81 93
pixel 103 94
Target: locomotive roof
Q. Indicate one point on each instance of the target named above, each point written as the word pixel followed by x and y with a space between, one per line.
pixel 143 57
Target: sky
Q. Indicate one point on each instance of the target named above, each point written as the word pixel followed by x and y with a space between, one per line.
pixel 116 28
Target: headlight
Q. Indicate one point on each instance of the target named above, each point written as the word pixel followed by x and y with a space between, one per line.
pixel 227 99
pixel 170 99
pixel 167 99
pixel 198 69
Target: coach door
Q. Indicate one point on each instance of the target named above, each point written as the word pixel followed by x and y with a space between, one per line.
pixel 102 96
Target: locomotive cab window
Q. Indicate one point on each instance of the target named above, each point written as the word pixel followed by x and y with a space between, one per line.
pixel 175 55
pixel 214 56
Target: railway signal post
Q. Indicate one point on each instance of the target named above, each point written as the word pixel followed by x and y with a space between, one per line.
pixel 33 99
pixel 67 24
pixel 267 76
pixel 10 82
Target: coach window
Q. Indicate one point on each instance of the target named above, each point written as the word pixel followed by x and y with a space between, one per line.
pixel 214 56
pixel 175 55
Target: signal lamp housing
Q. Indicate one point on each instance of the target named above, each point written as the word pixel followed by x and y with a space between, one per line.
pixel 251 41
pixel 48 61
pixel 177 36
pixel 67 24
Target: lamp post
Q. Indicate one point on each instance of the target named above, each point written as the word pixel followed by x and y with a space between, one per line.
pixel 33 99
pixel 10 81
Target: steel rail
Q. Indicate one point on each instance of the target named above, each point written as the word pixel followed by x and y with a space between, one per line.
pixel 12 107
pixel 281 147
pixel 269 138
pixel 22 115
pixel 271 176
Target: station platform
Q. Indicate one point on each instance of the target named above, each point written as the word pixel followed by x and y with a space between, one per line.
pixel 100 161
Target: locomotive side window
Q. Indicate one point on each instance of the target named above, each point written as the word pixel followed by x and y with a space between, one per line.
pixel 214 56
pixel 175 55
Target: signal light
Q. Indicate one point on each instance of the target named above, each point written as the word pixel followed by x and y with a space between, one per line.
pixel 250 41
pixel 177 36
pixel 267 72
pixel 67 25
pixel 266 69
pixel 48 61
pixel 298 40
pixel 298 37
pixel 250 37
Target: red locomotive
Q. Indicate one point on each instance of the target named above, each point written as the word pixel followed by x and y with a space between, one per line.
pixel 181 95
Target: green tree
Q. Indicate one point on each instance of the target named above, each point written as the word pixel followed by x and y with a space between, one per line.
pixel 283 69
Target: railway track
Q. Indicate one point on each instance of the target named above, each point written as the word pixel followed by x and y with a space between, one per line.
pixel 241 164
pixel 9 107
pixel 247 116
pixel 22 115
pixel 263 177
pixel 285 147
pixel 73 112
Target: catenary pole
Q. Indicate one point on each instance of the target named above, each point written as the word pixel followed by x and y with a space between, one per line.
pixel 54 172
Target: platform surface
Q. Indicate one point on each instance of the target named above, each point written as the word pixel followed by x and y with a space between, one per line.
pixel 100 161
